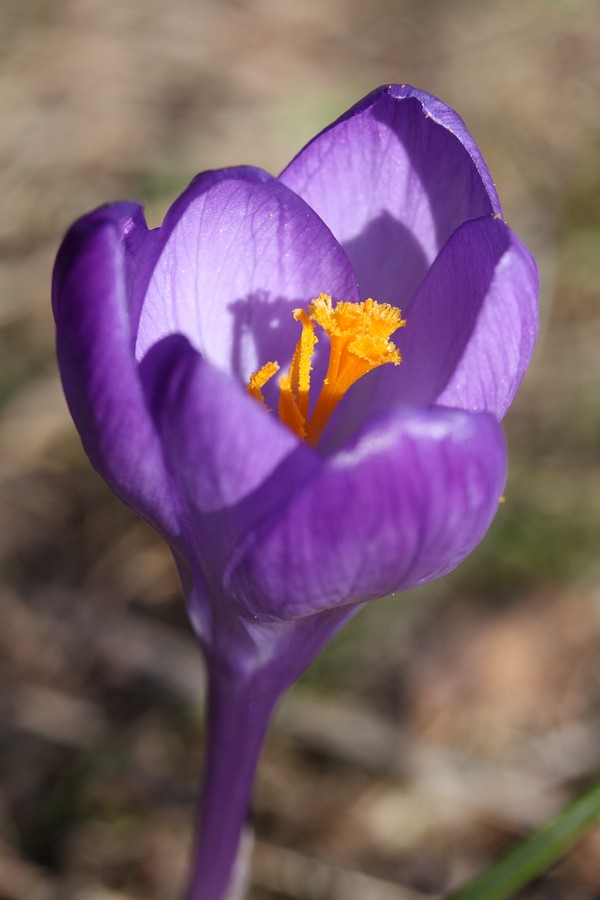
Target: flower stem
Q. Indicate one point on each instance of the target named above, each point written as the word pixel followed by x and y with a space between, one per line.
pixel 238 716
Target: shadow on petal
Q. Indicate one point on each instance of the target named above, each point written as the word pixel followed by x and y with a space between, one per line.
pixel 265 330
pixel 394 259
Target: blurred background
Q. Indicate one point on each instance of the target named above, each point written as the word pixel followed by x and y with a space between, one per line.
pixel 442 725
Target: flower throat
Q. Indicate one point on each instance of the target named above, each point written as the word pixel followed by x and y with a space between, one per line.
pixel 359 336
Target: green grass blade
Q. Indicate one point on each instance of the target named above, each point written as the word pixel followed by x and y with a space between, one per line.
pixel 537 853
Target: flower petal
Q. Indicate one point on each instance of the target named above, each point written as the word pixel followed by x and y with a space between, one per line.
pixel 407 502
pixel 233 463
pixel 470 331
pixel 240 251
pixel 99 277
pixel 504 335
pixel 393 178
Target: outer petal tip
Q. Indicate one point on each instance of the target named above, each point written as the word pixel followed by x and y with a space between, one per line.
pixel 393 178
pixel 444 115
pixel 96 291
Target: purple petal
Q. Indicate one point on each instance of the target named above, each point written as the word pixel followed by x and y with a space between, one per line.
pixel 407 502
pixel 239 252
pixel 99 277
pixel 470 331
pixel 393 178
pixel 499 350
pixel 232 461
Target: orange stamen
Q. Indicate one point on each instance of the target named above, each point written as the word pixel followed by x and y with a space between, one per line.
pixel 258 381
pixel 359 336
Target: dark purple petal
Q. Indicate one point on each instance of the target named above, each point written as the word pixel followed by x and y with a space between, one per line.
pixel 98 280
pixel 239 252
pixel 233 463
pixel 393 178
pixel 470 331
pixel 407 502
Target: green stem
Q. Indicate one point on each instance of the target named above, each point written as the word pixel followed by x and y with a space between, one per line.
pixel 536 854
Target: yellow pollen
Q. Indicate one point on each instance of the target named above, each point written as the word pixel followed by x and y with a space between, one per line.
pixel 259 379
pixel 359 337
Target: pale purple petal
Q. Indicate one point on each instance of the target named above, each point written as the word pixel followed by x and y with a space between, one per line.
pixel 393 178
pixel 407 502
pixel 239 252
pixel 98 280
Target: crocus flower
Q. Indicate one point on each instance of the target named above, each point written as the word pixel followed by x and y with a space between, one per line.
pixel 378 277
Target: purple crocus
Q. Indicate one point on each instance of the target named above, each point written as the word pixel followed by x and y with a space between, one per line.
pixel 282 526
